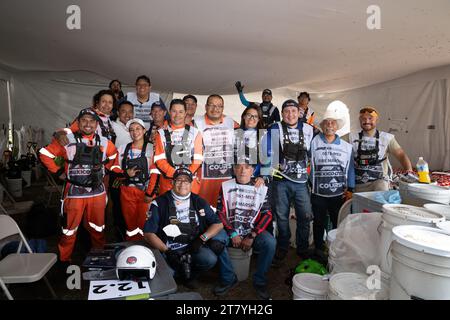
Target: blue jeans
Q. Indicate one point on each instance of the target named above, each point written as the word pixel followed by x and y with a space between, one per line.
pixel 265 245
pixel 205 259
pixel 285 192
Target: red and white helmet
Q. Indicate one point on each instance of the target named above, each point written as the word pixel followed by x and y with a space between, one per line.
pixel 136 262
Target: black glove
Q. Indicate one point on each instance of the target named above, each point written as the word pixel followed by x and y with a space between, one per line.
pixel 239 86
pixel 196 245
pixel 182 238
pixel 173 258
pixel 216 246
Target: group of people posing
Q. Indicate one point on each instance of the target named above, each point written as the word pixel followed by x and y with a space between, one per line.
pixel 221 183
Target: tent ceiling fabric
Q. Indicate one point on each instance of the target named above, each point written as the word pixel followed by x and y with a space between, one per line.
pixel 205 46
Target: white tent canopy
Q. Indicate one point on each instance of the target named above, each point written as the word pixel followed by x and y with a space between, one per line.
pixel 203 47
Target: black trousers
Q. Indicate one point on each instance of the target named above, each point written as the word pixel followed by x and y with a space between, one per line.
pixel 321 207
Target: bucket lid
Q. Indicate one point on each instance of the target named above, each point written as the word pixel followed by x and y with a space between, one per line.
pixel 428 188
pixel 439 208
pixel 311 283
pixel 353 286
pixel 331 236
pixel 407 212
pixel 445 225
pixel 425 239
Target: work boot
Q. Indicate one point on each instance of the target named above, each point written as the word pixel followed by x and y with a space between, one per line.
pixel 223 289
pixel 261 292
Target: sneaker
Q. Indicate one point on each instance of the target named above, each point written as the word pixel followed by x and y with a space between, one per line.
pixel 262 293
pixel 223 289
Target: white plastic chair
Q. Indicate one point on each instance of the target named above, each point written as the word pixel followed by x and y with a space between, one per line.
pixel 344 211
pixel 22 267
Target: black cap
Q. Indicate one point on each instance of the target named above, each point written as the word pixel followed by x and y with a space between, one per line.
pixel 289 103
pixel 182 171
pixel 267 91
pixel 89 111
pixel 157 104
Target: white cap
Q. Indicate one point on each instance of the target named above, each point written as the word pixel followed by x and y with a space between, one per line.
pixel 135 120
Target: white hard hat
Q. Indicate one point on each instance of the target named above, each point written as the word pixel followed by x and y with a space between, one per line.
pixel 334 112
pixel 136 261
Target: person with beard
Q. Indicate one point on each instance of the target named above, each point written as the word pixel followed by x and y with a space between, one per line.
pixel 371 148
pixel 87 156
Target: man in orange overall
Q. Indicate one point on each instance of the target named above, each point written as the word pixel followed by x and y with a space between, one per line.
pixel 86 156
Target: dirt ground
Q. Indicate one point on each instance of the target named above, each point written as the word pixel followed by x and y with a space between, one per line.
pixel 243 291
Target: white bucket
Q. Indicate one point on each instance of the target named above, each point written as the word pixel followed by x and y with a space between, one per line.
pixel 15 187
pixel 429 192
pixel 26 176
pixel 397 215
pixel 439 208
pixel 444 226
pixel 420 264
pixel 309 286
pixel 241 262
pixel 353 286
pixel 331 236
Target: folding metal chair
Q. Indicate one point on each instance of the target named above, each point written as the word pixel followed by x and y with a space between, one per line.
pixel 22 267
pixel 52 188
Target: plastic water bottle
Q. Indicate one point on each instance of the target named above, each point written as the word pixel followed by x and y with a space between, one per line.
pixel 423 171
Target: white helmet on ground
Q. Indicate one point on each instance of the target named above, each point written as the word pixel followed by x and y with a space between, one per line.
pixel 136 262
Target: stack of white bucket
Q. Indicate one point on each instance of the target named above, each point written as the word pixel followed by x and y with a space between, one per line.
pixel 397 215
pixel 415 260
pixel 355 286
pixel 309 286
pixel 341 286
pixel 420 263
